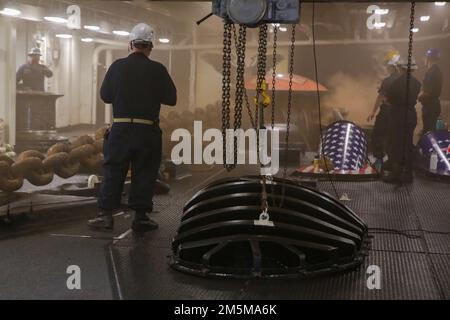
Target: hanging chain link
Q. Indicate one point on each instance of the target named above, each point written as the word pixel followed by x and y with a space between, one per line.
pixel 274 73
pixel 261 74
pixel 240 45
pixel 226 87
pixel 289 108
pixel 240 84
pixel 408 78
pixel 410 49
pixel 274 77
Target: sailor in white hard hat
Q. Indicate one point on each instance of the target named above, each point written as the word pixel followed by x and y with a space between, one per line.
pixel 32 74
pixel 381 110
pixel 136 86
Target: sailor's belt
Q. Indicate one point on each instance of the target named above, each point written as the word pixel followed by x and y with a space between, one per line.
pixel 133 120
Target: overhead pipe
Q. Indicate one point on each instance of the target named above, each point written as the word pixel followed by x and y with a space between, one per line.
pixel 306 43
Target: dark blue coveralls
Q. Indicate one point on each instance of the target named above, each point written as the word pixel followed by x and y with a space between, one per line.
pixel 402 122
pixel 381 126
pixel 33 75
pixel 136 86
pixel 431 105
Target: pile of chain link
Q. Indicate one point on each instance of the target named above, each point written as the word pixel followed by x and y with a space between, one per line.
pixel 63 159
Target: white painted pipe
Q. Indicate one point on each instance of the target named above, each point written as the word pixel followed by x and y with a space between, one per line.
pixel 95 62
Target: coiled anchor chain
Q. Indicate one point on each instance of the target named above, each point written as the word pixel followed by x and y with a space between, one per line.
pixel 62 159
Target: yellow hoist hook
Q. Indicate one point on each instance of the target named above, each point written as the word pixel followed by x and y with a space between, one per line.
pixel 266 99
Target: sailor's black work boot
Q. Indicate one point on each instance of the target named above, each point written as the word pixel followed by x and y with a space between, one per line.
pixel 142 223
pixel 407 175
pixel 394 175
pixel 104 221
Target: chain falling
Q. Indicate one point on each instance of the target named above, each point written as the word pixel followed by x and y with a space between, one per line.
pixel 241 97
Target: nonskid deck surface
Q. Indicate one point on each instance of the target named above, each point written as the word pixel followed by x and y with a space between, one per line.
pixel 414 261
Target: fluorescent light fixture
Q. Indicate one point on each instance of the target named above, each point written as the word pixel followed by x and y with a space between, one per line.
pixel 164 40
pixel 87 40
pixel 424 18
pixel 275 25
pixel 92 28
pixel 282 29
pixel 379 25
pixel 121 33
pixel 415 30
pixel 64 36
pixel 381 11
pixel 56 19
pixel 10 12
pixel 439 3
pixel 280 75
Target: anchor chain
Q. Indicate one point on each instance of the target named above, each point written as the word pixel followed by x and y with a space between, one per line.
pixel 62 159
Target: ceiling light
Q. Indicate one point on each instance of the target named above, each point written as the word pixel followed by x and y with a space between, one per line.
pixel 56 19
pixel 280 75
pixel 64 36
pixel 415 29
pixel 10 12
pixel 92 28
pixel 164 40
pixel 379 25
pixel 381 11
pixel 121 33
pixel 87 39
pixel 424 18
pixel 282 29
pixel 439 3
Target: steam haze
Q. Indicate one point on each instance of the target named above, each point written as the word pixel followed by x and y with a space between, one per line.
pixel 353 94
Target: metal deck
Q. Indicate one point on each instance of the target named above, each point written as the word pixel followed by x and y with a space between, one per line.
pixel 414 262
pixel 411 244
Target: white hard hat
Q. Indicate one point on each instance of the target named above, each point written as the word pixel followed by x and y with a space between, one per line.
pixel 35 52
pixel 404 63
pixel 142 33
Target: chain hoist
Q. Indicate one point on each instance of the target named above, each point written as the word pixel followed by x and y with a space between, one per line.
pixel 261 99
